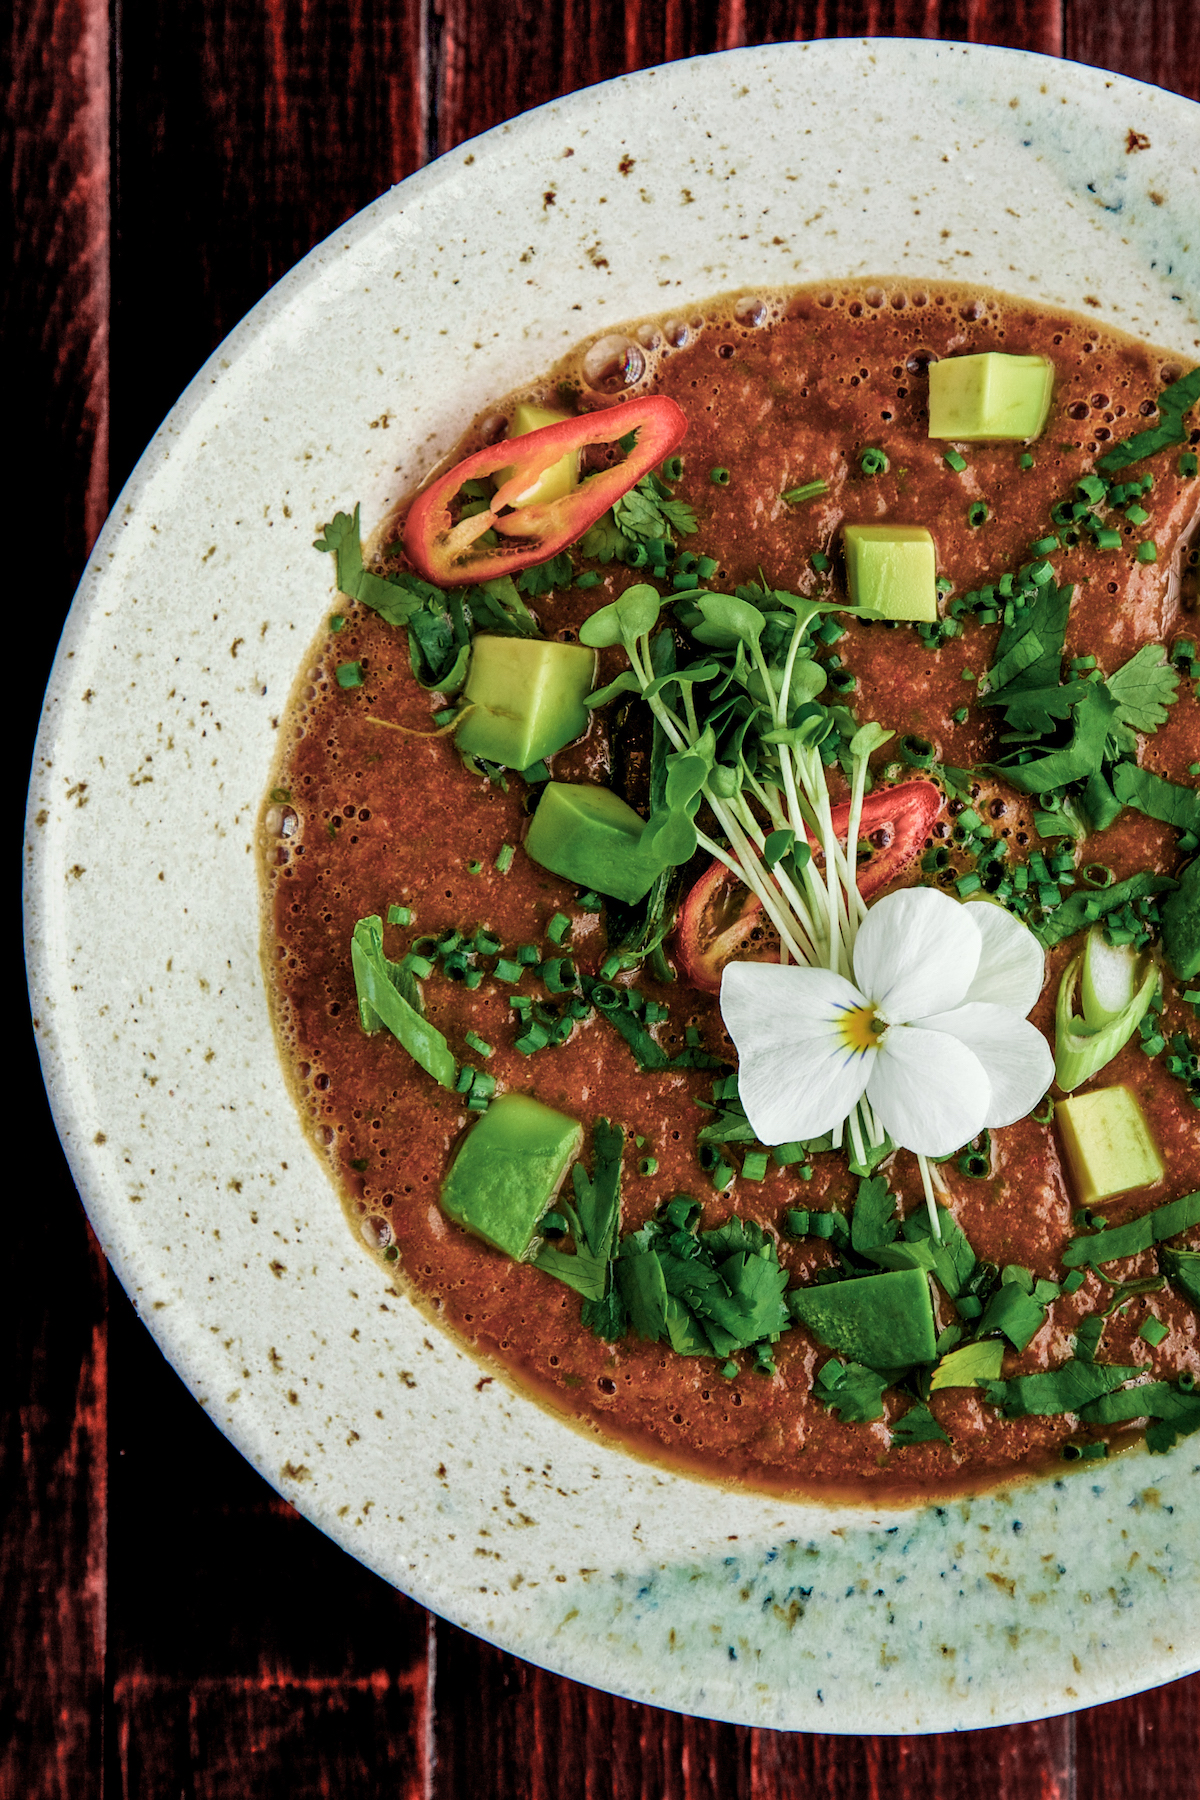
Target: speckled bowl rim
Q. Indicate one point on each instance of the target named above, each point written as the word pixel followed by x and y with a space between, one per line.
pixel 194 614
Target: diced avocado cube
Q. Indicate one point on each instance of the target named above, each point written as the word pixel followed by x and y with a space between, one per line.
pixel 989 396
pixel 590 836
pixel 562 477
pixel 528 697
pixel 891 571
pixel 508 1172
pixel 884 1321
pixel 1107 1144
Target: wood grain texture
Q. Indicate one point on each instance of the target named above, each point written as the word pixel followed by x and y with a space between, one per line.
pixel 215 1646
pixel 244 134
pixel 241 1642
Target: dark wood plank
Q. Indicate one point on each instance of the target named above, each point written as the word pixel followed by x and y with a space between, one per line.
pixel 54 148
pixel 244 134
pixel 52 1498
pixel 1144 1748
pixel 1157 40
pixel 504 1730
pixel 241 1642
pixel 1020 1762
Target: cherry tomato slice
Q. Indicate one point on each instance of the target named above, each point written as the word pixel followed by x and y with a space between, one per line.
pixel 722 921
pixel 449 554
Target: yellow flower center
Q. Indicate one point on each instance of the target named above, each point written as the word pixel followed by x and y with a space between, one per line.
pixel 861 1029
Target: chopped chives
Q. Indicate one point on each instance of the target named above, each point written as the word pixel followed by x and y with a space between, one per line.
pixel 672 469
pixel 648 1165
pixel 811 490
pixel 954 461
pixel 1188 463
pixel 504 860
pixel 754 1165
pixel 528 955
pixel 399 915
pixel 479 1045
pixel 977 514
pixel 719 477
pixel 474 868
pixel 558 928
pixel 1108 540
pixel 1137 515
pixel 873 462
pixel 1147 551
pixel 506 970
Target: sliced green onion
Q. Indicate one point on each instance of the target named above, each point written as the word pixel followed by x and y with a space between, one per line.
pixel 504 860
pixel 873 462
pixel 977 514
pixel 1146 552
pixel 719 477
pixel 1083 1047
pixel 954 461
pixel 811 490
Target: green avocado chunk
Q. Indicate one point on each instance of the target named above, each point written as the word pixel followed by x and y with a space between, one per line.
pixel 590 836
pixel 884 1321
pixel 507 1173
pixel 891 571
pixel 1181 924
pixel 989 396
pixel 527 695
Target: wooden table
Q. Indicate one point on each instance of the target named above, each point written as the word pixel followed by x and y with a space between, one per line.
pixel 171 1628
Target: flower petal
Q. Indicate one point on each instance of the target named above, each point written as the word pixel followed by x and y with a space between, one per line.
pixel 796 1077
pixel 916 953
pixel 1012 965
pixel 1015 1057
pixel 930 1092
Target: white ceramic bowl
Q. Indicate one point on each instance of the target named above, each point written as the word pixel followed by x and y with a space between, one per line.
pixel 794 163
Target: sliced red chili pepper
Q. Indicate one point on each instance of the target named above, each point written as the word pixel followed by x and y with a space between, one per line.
pixel 449 554
pixel 722 921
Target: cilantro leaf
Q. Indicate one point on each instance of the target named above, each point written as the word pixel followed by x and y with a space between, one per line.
pixel 873 1222
pixel 1173 403
pixel 1175 1410
pixel 1084 909
pixel 542 578
pixel 1158 798
pixel 1181 924
pixel 851 1390
pixel 918 1426
pixel 1062 1390
pixel 1043 621
pixel 648 514
pixel 970 1365
pixel 1144 687
pixel 954 1261
pixel 394 599
pixel 604 540
pixel 1095 714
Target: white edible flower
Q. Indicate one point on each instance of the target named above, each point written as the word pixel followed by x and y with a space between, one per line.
pixel 932 1029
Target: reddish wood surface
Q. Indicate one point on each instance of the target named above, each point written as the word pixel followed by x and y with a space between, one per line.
pixel 169 1626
